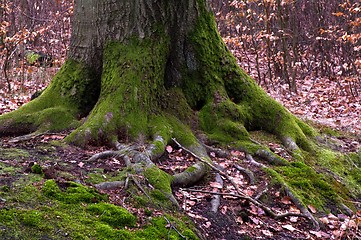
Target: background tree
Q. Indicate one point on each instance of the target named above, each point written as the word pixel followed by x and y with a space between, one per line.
pixel 296 39
pixel 141 74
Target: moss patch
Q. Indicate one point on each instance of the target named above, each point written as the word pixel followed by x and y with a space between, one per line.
pixel 69 213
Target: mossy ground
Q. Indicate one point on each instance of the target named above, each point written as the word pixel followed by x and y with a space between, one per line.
pixel 32 207
pixel 323 179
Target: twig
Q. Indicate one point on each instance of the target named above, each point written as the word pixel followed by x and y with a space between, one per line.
pixel 259 195
pixel 266 209
pixel 174 228
pixel 139 186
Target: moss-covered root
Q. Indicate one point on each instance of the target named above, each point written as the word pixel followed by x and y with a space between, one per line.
pixel 70 96
pixel 195 172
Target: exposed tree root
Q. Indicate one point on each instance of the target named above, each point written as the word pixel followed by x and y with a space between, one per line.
pixel 110 185
pixel 216 199
pixel 220 153
pixel 246 172
pixel 26 137
pixel 272 158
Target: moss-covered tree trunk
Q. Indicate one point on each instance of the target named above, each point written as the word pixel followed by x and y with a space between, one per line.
pixel 139 68
pixel 140 73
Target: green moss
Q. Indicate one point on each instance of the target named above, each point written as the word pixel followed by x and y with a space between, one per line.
pixel 342 166
pixel 36 168
pixel 159 179
pixel 311 187
pixel 114 216
pixel 13 153
pixel 74 193
pixel 71 94
pixel 31 218
pixel 161 182
pixel 43 216
pixel 157 229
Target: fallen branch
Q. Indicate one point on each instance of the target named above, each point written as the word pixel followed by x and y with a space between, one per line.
pixel 216 199
pixel 241 196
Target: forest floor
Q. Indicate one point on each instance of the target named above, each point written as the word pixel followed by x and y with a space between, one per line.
pixel 322 101
pixel 235 218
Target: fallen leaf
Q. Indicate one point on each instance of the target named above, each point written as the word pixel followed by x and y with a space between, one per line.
pixel 81 164
pixel 289 227
pixel 267 233
pixel 207 224
pixel 312 209
pixel 332 217
pixel 169 149
pixel 317 234
pixel 293 219
pixel 324 220
pixel 294 209
pixel 224 209
pixel 286 200
pixel 254 220
pixel 216 185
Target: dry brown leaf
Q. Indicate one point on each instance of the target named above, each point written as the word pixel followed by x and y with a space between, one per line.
pixel 286 200
pixel 216 185
pixel 293 219
pixel 267 233
pixel 207 224
pixel 316 233
pixel 312 208
pixel 289 227
pixel 294 209
pixel 169 149
pixel 324 220
pixel 332 217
